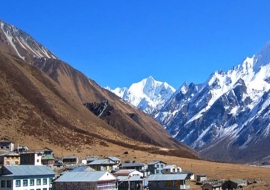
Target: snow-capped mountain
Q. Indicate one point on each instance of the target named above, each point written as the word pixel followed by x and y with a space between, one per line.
pixel 148 95
pixel 228 117
pixel 21 44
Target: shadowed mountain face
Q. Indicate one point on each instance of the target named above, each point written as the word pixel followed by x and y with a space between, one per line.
pixel 43 98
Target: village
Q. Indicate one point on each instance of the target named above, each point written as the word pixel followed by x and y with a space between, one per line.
pixel 21 169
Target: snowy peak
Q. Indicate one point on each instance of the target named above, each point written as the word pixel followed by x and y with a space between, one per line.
pixel 230 107
pixel 262 58
pixel 19 43
pixel 148 95
pixel 149 87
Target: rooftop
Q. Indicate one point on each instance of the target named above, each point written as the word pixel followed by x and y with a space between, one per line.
pixel 136 164
pixel 167 177
pixel 26 170
pixel 155 162
pixel 85 176
pixel 124 172
pixel 102 162
pixel 10 154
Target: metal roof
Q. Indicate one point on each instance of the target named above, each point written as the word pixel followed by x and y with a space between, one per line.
pixel 136 164
pixel 70 157
pixel 83 176
pixel 82 169
pixel 155 162
pixel 102 162
pixel 91 158
pixel 27 170
pixel 124 172
pixel 132 178
pixel 114 158
pixel 167 177
pixel 9 154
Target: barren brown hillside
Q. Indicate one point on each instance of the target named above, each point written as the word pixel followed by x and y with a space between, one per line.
pixel 123 117
pixel 36 111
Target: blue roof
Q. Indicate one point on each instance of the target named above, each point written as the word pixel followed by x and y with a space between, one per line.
pixel 102 162
pixel 83 176
pixel 167 177
pixel 136 164
pixel 82 169
pixel 27 170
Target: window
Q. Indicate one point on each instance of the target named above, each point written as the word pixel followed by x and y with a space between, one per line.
pixel 32 182
pixel 25 182
pixel 18 183
pixel 44 181
pixel 38 181
pixel 8 183
pixel 44 189
pixel 3 183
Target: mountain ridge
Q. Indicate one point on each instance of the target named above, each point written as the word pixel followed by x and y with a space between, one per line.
pixel 224 108
pixel 57 92
pixel 220 115
pixel 148 94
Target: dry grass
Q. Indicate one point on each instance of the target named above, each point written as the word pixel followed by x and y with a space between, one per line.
pixel 214 170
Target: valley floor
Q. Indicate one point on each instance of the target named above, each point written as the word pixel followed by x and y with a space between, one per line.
pixel 213 170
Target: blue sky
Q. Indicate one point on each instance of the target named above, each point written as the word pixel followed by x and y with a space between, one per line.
pixel 118 42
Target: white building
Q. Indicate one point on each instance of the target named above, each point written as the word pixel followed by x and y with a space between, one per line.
pixel 26 177
pixel 171 169
pixel 129 179
pixel 85 181
pixel 5 144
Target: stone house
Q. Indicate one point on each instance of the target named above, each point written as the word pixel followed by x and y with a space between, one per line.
pixel 212 185
pixel 10 159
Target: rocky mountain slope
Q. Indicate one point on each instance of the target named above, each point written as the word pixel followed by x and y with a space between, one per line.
pixel 226 118
pixel 147 95
pixel 43 102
